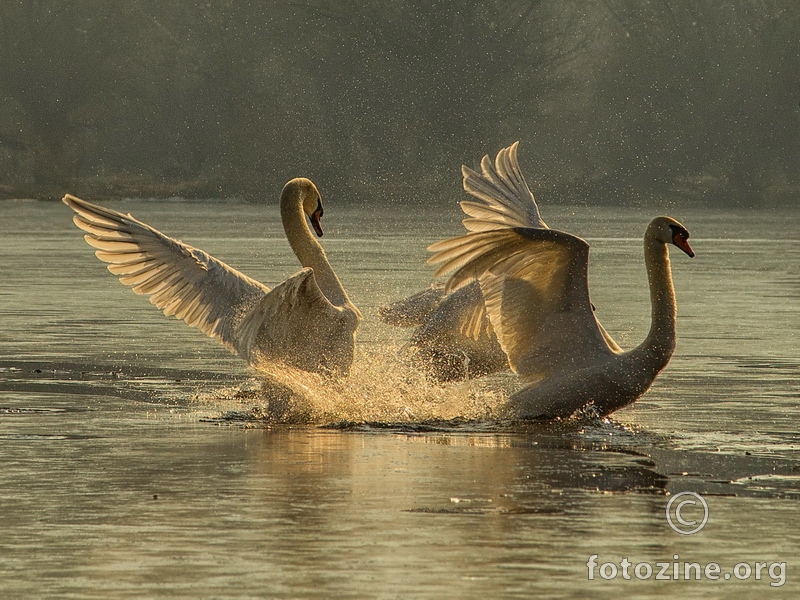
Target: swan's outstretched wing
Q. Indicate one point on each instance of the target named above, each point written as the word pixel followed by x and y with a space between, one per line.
pixel 181 280
pixel 535 289
pixel 533 279
pixel 506 200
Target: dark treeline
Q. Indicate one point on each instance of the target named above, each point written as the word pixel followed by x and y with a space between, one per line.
pixel 614 101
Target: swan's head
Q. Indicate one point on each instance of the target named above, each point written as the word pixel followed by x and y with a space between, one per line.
pixel 668 231
pixel 303 191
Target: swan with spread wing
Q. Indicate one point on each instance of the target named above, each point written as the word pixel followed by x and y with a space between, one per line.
pixel 536 296
pixel 308 321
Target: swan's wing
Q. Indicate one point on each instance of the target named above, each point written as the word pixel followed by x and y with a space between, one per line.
pixel 181 280
pixel 297 324
pixel 461 312
pixel 535 289
pixel 433 303
pixel 457 341
pixel 505 198
pixel 414 309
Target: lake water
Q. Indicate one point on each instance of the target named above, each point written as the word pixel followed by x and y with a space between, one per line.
pixel 133 466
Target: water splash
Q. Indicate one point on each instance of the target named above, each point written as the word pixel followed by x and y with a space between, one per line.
pixel 382 387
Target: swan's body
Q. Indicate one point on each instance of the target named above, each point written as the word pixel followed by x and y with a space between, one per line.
pixel 535 289
pixel 307 321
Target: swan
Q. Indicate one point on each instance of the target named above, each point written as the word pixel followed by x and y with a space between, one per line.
pixel 536 295
pixel 308 321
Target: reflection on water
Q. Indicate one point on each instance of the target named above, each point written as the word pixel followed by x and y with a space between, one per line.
pixel 134 464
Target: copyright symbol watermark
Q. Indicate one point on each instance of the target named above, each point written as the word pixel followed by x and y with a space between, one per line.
pixel 686 523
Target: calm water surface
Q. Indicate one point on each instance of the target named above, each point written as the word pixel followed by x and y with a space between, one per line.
pixel 130 468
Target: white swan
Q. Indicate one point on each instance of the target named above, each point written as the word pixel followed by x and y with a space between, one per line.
pixel 307 321
pixel 535 289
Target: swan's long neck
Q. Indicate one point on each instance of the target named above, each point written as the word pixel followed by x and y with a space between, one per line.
pixel 659 344
pixel 307 249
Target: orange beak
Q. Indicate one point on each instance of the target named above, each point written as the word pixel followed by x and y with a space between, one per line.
pixel 682 242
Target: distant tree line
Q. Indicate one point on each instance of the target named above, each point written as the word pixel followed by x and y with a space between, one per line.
pixel 614 101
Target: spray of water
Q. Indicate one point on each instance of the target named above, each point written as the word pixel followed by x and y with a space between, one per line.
pixel 382 388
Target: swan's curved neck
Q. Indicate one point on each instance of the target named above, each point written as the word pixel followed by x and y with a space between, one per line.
pixel 307 249
pixel 659 344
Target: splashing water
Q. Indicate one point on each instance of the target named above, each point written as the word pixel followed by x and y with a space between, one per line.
pixel 382 387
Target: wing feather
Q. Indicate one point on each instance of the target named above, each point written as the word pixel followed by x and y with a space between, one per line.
pixel 148 273
pixel 533 279
pixel 134 268
pixel 503 190
pixel 468 256
pixel 535 289
pixel 181 280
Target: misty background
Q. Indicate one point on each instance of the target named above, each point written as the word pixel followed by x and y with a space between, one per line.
pixel 614 102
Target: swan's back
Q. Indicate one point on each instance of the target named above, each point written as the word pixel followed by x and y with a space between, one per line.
pixel 297 323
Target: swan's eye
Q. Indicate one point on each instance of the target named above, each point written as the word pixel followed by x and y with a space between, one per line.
pixel 679 232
